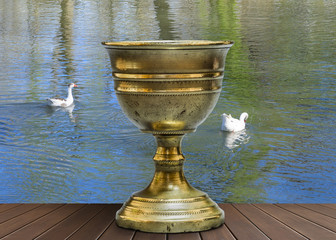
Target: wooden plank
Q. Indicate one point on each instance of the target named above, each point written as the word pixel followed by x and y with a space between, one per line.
pixel 312 216
pixel 267 224
pixel 5 207
pixel 149 236
pixel 97 225
pixel 299 224
pixel 71 224
pixel 28 217
pixel 330 205
pixel 16 211
pixel 218 234
pixel 42 224
pixel 96 221
pixel 321 208
pixel 240 226
pixel 113 230
pixel 184 236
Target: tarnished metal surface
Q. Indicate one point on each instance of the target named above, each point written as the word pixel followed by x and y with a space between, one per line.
pixel 168 88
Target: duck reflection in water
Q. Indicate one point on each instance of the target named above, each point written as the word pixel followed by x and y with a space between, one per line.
pixel 68 110
pixel 235 139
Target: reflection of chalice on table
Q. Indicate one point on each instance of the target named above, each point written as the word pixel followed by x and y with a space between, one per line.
pixel 168 88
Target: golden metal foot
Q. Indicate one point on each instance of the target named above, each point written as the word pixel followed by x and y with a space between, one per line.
pixel 169 204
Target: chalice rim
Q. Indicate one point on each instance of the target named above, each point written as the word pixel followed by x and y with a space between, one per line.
pixel 168 44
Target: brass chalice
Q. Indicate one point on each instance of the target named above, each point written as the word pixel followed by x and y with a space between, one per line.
pixel 168 88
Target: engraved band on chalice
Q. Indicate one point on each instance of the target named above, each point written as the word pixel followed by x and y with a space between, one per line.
pixel 168 88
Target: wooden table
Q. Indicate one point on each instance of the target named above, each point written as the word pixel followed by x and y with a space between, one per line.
pixel 96 221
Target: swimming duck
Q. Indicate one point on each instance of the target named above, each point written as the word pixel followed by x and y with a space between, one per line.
pixel 231 124
pixel 60 102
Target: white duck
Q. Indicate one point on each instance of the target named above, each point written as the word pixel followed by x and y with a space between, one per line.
pixel 60 102
pixel 231 124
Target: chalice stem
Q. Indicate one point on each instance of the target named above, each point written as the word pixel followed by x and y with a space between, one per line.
pixel 169 176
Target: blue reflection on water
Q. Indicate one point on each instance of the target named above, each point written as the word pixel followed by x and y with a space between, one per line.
pixel 281 71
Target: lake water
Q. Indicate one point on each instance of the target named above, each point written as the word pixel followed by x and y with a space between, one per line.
pixel 281 70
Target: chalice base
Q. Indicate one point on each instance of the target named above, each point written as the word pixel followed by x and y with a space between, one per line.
pixel 169 204
pixel 193 214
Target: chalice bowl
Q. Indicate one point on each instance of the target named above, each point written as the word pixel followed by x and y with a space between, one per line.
pixel 168 88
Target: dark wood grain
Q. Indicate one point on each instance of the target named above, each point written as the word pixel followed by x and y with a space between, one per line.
pixel 267 224
pixel 330 205
pixel 20 221
pixel 220 233
pixel 240 226
pixel 318 218
pixel 113 230
pixel 184 236
pixel 97 225
pixel 97 221
pixel 5 207
pixel 149 236
pixel 13 212
pixel 70 225
pixel 42 224
pixel 321 208
pixel 299 224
